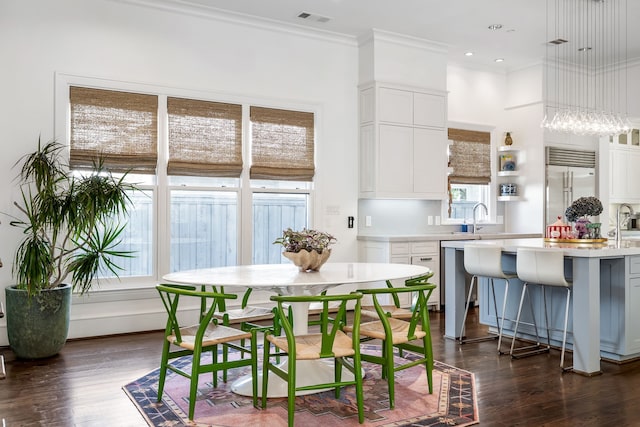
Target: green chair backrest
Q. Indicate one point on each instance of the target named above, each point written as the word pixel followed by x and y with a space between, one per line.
pixel 329 324
pixel 415 280
pixel 419 317
pixel 210 302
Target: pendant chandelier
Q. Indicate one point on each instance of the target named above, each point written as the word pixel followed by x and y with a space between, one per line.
pixel 586 67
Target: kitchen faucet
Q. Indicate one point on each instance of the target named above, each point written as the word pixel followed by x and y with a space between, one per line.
pixel 618 234
pixel 486 211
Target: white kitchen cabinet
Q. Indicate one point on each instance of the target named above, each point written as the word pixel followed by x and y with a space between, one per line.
pixel 403 142
pixel 625 175
pixel 419 252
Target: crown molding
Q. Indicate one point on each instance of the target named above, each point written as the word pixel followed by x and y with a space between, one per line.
pixel 186 7
pixel 403 40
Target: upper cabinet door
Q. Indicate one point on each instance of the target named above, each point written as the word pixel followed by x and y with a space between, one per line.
pixel 429 110
pixel 403 145
pixel 395 106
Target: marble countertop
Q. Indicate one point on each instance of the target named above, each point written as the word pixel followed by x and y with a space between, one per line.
pixel 446 236
pixel 588 250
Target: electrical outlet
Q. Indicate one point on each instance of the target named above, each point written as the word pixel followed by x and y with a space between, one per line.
pixel 429 220
pixel 437 220
pixel 367 221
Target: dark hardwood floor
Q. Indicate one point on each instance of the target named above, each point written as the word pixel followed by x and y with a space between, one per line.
pixel 82 386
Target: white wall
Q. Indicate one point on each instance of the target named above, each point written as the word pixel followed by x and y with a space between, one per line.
pixel 477 100
pixel 524 113
pixel 114 40
pixel 476 96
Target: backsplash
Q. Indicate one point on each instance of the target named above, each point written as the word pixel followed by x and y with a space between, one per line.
pixel 407 217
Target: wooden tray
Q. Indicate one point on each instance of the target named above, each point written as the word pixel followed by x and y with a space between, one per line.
pixel 554 240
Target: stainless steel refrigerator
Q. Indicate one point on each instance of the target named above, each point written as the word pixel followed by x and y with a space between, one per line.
pixel 570 174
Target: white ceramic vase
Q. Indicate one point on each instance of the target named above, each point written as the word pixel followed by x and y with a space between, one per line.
pixel 308 261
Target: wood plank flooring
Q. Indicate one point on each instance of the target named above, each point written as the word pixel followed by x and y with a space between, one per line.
pixel 82 386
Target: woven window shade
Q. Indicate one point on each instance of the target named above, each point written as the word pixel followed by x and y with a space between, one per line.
pixel 205 138
pixel 119 127
pixel 281 144
pixel 470 157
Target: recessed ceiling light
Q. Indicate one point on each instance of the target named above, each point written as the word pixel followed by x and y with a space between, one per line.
pixel 495 26
pixel 499 59
pixel 584 49
pixel 468 54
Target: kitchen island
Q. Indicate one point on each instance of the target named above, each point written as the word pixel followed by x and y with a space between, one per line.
pixel 422 249
pixel 606 291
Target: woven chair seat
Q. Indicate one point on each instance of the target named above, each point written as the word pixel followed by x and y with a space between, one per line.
pixel 392 310
pixel 399 330
pixel 308 346
pixel 247 314
pixel 215 334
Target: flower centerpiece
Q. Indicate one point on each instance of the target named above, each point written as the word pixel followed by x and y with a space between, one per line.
pixel 308 249
pixel 579 211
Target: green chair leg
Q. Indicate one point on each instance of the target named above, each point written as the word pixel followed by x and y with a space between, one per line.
pixel 214 357
pixel 265 371
pixel 359 389
pixel 254 367
pixel 163 368
pixel 193 389
pixel 291 390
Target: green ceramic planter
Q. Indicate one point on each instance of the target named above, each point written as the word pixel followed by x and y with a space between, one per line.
pixel 37 327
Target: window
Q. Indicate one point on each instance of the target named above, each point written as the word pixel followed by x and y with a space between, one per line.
pixel 470 165
pixel 282 167
pixel 205 144
pixel 122 128
pixel 205 181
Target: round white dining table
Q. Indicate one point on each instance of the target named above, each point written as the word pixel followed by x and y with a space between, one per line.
pixel 287 279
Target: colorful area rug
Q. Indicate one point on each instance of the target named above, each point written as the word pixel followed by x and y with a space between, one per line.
pixel 453 402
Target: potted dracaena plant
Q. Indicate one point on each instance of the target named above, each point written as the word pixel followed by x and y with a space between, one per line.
pixel 71 228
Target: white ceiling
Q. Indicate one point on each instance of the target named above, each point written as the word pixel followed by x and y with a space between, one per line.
pixel 459 24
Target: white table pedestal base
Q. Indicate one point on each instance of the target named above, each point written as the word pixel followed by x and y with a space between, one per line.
pixel 309 372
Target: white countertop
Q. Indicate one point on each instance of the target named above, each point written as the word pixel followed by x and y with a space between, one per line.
pixel 446 236
pixel 588 250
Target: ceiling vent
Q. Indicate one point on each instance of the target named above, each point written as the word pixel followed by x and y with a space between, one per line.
pixel 313 17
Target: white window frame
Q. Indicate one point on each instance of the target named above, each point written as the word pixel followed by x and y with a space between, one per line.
pixel 491 205
pixel 161 242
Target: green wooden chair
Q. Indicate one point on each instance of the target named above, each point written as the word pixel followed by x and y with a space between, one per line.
pixel 411 335
pixel 329 343
pixel 246 318
pixel 181 304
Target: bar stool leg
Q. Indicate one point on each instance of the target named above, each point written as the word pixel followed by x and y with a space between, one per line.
pixel 499 320
pixel 564 336
pixel 536 348
pixel 466 308
pixel 546 317
pixel 504 309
